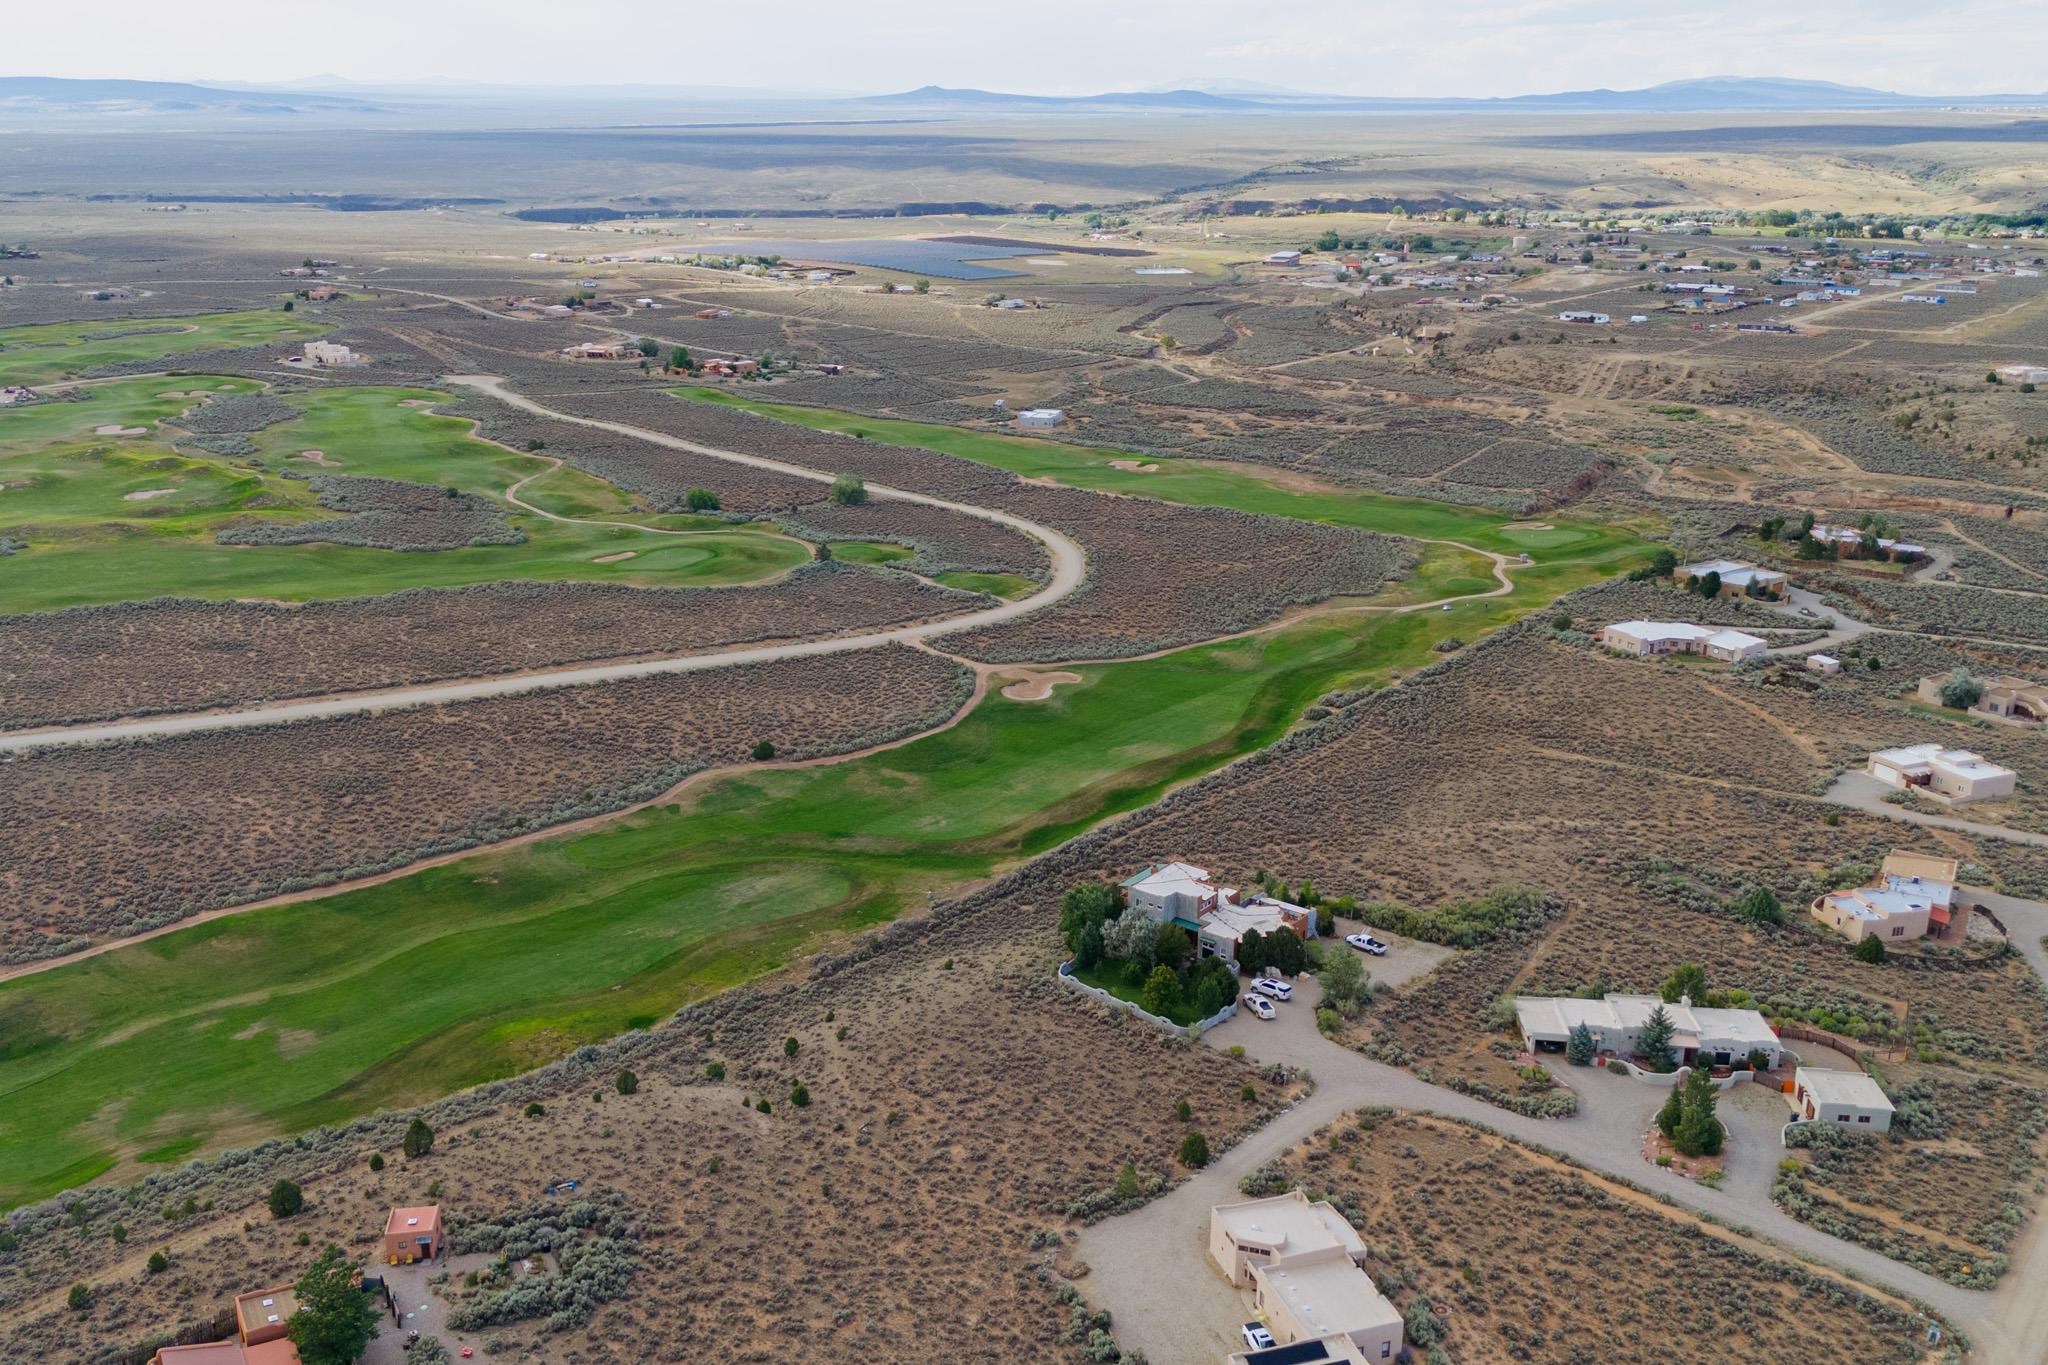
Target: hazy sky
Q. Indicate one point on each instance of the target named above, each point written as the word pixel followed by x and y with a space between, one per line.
pixel 1362 47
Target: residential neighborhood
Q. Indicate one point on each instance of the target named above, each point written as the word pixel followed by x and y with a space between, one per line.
pixel 1731 578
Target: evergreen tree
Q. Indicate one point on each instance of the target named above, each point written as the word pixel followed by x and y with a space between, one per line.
pixel 1653 1041
pixel 1578 1047
pixel 286 1199
pixel 1870 950
pixel 419 1139
pixel 1760 905
pixel 1127 1182
pixel 1671 1114
pixel 1699 1132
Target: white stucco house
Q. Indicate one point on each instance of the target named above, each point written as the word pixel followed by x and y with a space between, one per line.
pixel 1842 1099
pixel 1952 775
pixel 1647 639
pixel 1716 1037
pixel 1041 419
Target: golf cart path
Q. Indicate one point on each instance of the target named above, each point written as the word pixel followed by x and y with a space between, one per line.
pixel 1068 569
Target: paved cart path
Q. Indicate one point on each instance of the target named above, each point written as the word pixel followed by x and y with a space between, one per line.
pixel 1069 567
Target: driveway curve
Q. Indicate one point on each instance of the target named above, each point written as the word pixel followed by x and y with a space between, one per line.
pixel 1069 566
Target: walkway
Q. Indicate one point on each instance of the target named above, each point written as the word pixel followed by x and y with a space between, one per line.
pixel 1068 560
pixel 1151 1268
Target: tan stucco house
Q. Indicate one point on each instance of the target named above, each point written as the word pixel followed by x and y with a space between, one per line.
pixel 1841 1099
pixel 1304 1262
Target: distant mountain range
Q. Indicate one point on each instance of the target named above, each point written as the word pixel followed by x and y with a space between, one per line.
pixel 52 94
pixel 58 97
pixel 1711 93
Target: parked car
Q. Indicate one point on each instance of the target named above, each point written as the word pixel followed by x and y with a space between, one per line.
pixel 1279 990
pixel 1366 943
pixel 1261 1006
pixel 1256 1337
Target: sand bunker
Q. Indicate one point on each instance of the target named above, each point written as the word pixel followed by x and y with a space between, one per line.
pixel 182 393
pixel 613 559
pixel 318 457
pixel 1035 686
pixel 1528 526
pixel 416 402
pixel 116 429
pixel 1134 466
pixel 145 494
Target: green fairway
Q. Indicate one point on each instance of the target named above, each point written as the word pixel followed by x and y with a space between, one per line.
pixel 870 551
pixel 38 355
pixel 1004 585
pixel 1202 483
pixel 111 517
pixel 182 1041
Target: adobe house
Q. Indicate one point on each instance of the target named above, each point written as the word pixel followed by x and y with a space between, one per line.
pixel 412 1234
pixel 262 1327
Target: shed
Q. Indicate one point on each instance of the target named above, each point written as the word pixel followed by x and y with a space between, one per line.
pixel 412 1234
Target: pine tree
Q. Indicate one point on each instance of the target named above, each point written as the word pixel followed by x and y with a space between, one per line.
pixel 1671 1115
pixel 1653 1041
pixel 1689 981
pixel 1578 1048
pixel 419 1139
pixel 1699 1132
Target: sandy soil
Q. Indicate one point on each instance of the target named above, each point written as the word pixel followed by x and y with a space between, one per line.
pixel 318 457
pixel 1528 526
pixel 145 494
pixel 115 429
pixel 613 559
pixel 1029 686
pixel 1133 465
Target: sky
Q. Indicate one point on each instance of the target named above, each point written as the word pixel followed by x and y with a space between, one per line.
pixel 1352 47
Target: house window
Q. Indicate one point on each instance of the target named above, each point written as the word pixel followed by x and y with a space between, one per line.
pixel 1863 1118
pixel 1386 1348
pixel 1841 1118
pixel 1898 931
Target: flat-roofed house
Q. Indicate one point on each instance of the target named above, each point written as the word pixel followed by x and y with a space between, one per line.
pixel 1304 1262
pixel 1041 419
pixel 1173 891
pixel 1951 775
pixel 1698 1033
pixel 1648 639
pixel 2005 697
pixel 262 1334
pixel 1913 896
pixel 1823 663
pixel 1224 926
pixel 412 1234
pixel 1736 577
pixel 1321 1294
pixel 1843 1099
pixel 1259 1232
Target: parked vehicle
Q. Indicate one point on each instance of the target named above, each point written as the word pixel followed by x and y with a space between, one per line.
pixel 1261 1006
pixel 1279 990
pixel 1256 1337
pixel 1366 943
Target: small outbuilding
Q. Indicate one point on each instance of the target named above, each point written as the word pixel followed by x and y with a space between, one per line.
pixel 1041 419
pixel 1841 1098
pixel 1823 663
pixel 412 1234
